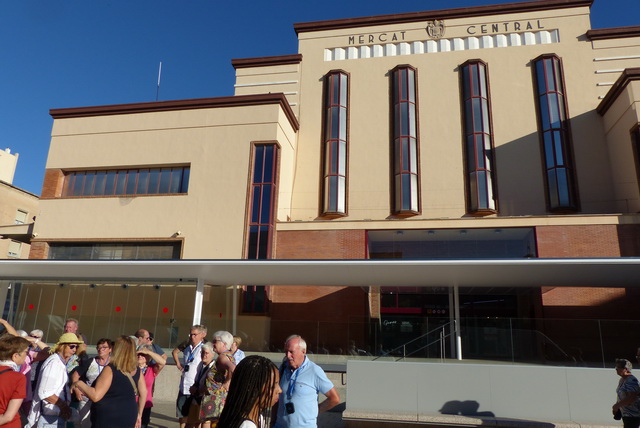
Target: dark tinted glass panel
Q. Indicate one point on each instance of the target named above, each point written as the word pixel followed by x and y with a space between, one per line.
pixel 143 182
pixel 186 174
pixel 263 244
pixel 89 180
pixel 110 184
pixel 115 251
pixel 176 180
pixel 268 164
pixel 165 180
pixel 69 183
pixel 121 180
pixel 258 164
pixel 265 215
pixel 154 181
pixel 132 177
pixel 100 182
pixel 255 204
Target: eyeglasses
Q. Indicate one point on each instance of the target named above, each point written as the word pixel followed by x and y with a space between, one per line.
pixel 73 346
pixel 35 337
pixel 100 348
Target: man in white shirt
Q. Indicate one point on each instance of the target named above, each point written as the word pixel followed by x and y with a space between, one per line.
pixel 189 367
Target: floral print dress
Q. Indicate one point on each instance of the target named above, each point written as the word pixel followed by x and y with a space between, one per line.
pixel 215 396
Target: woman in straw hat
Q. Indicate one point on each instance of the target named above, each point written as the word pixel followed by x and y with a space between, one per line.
pixel 52 396
pixel 114 392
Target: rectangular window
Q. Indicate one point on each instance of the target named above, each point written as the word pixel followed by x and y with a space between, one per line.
pixel 335 140
pixel 115 251
pixel 554 134
pixel 261 221
pixel 21 217
pixel 478 138
pixel 635 140
pixel 15 249
pixel 405 141
pixel 147 181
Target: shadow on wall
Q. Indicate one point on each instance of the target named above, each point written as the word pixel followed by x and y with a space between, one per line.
pixel 463 408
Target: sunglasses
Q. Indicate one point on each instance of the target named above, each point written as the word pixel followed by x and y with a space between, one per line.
pixel 35 337
pixel 73 346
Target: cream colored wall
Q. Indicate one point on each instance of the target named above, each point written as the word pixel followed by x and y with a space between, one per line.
pixel 619 120
pixel 270 79
pixel 216 143
pixel 518 153
pixel 610 57
pixel 8 162
pixel 13 199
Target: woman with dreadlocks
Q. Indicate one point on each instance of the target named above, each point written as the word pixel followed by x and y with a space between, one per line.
pixel 254 388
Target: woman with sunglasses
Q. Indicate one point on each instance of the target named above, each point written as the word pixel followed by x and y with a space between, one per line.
pixel 52 396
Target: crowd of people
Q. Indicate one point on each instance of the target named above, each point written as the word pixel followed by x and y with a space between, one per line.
pixel 61 387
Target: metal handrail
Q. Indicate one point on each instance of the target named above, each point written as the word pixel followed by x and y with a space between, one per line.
pixel 403 346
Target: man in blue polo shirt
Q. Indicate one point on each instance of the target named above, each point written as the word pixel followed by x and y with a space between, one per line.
pixel 301 381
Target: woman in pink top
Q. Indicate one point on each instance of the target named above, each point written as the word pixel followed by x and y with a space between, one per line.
pixel 145 355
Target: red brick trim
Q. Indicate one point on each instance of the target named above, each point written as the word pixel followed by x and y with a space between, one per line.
pixel 628 75
pixel 52 183
pixel 192 104
pixel 614 33
pixel 462 12
pixel 266 61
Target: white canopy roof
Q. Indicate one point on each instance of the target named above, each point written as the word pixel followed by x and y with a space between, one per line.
pixel 584 272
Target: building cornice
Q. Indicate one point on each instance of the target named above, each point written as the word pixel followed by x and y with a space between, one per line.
pixel 614 33
pixel 628 75
pixel 191 104
pixel 266 61
pixel 462 12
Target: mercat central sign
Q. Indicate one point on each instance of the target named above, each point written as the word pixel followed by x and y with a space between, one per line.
pixel 471 30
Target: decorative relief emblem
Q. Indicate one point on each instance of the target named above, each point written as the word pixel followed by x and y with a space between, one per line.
pixel 435 29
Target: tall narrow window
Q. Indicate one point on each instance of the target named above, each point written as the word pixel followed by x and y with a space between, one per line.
pixel 635 140
pixel 554 134
pixel 405 141
pixel 261 220
pixel 336 93
pixel 478 138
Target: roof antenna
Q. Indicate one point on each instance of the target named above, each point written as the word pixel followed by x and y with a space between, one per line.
pixel 159 75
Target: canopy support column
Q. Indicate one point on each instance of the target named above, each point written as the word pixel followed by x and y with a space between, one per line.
pixel 234 312
pixel 456 308
pixel 197 306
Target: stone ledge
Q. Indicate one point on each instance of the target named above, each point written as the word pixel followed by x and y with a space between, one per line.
pixel 462 421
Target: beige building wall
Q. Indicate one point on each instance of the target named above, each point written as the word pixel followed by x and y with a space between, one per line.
pixel 8 162
pixel 619 120
pixel 17 210
pixel 215 143
pixel 517 149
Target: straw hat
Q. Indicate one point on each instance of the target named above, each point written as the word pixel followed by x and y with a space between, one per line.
pixel 69 338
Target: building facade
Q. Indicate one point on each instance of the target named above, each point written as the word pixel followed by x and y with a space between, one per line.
pixel 506 131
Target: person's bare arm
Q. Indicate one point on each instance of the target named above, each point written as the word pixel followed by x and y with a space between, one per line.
pixel 142 397
pixel 9 327
pixel 333 399
pixel 75 376
pixel 11 411
pixel 159 359
pixel 176 357
pixel 229 366
pixel 65 410
pixel 102 385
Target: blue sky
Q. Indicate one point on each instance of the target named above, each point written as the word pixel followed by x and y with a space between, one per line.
pixel 75 53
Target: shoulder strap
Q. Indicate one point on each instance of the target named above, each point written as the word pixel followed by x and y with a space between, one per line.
pixel 133 384
pixel 7 370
